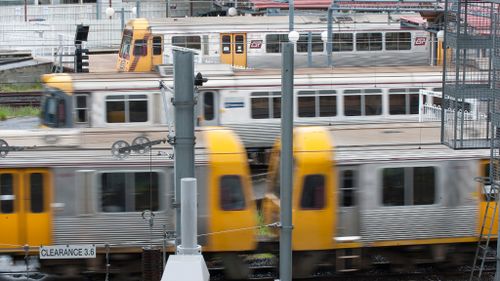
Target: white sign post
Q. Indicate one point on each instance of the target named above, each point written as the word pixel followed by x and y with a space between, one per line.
pixel 68 252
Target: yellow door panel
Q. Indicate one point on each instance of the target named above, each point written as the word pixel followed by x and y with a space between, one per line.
pixel 233 49
pixel 486 211
pixel 314 214
pixel 10 204
pixel 226 52
pixel 314 193
pixel 25 216
pixel 37 207
pixel 231 208
pixel 240 50
pixel 232 219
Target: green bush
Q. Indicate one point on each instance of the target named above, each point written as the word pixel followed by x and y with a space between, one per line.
pixel 25 111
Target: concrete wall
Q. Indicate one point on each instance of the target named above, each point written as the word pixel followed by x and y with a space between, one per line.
pixel 24 72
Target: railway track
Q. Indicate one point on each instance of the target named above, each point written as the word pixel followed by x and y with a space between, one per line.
pixel 18 99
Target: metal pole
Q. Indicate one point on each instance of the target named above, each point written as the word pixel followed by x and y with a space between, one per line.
pixel 138 9
pixel 329 35
pixel 184 127
pixel 286 162
pixel 122 18
pixel 98 9
pixel 25 10
pixel 291 11
pixel 309 49
pixel 188 216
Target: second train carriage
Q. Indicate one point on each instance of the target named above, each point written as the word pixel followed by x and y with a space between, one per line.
pixel 83 195
pixel 388 190
pixel 248 102
pixel 361 39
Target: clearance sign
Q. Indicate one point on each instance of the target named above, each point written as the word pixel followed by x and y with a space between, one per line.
pixel 68 252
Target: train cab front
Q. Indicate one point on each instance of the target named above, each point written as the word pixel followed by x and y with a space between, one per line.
pixel 140 50
pixel 56 106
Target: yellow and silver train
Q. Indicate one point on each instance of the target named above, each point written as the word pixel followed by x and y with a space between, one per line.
pixel 81 194
pixel 359 191
pixel 388 190
pixel 359 39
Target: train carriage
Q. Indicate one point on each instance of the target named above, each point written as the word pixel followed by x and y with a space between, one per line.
pixel 246 101
pixel 387 190
pixel 83 195
pixel 363 39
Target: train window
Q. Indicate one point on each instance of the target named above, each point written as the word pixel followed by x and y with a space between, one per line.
pixel 316 43
pixel 208 106
pixel 408 186
pixel 260 106
pixel 239 44
pixel 61 113
pixel 157 45
pixel 138 108
pixel 191 42
pixel 424 185
pixel 306 104
pixel 36 193
pixel 342 42
pixel 126 108
pixel 327 103
pixel 129 192
pixel 397 104
pixel 140 48
pixel 231 193
pixel 115 109
pixel 51 111
pixel 273 42
pixel 6 194
pixel 393 187
pixel 414 98
pixel 146 191
pixel 398 41
pixel 125 47
pixel 373 104
pixel 226 44
pixel 81 109
pixel 265 105
pixel 276 104
pixel 347 188
pixel 313 192
pixel 352 105
pixel 403 101
pixel 369 41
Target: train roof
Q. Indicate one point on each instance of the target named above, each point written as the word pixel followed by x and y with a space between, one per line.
pixel 355 21
pixel 396 142
pixel 336 77
pixel 93 146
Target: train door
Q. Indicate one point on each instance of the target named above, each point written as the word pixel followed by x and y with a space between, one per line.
pixel 348 223
pixel 24 207
pixel 209 109
pixel 233 49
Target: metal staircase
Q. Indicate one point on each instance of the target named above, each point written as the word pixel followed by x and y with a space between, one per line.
pixel 483 252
